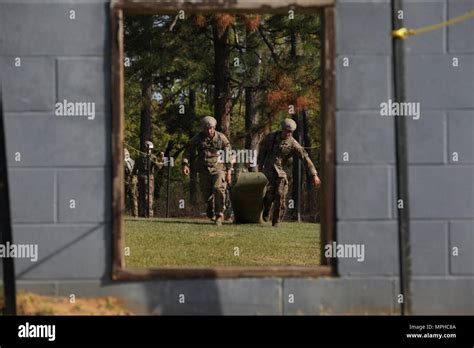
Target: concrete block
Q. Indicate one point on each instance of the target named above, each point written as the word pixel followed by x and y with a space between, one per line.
pixel 32 195
pixel 439 192
pixel 243 296
pixel 47 29
pixel 41 288
pixel 65 252
pixel 364 84
pixel 427 138
pixel 429 248
pixel 64 141
pixel 363 192
pixel 380 242
pixel 366 136
pixel 231 297
pixel 84 79
pixel 419 14
pixel 433 81
pixel 338 2
pixel 29 87
pixel 462 237
pixel 461 136
pixel 338 296
pixel 370 22
pixel 443 296
pixel 91 191
pixel 460 38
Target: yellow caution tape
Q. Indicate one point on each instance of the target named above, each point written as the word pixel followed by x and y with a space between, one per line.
pixel 133 148
pixel 403 33
pixel 154 159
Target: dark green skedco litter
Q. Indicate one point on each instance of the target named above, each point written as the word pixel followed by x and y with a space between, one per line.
pixel 247 198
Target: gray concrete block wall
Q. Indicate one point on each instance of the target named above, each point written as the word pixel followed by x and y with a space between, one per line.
pixel 66 135
pixel 446 295
pixel 436 84
pixel 46 29
pixel 380 252
pixel 66 251
pixel 69 158
pixel 59 166
pixel 462 238
pixel 429 135
pixel 29 87
pixel 365 156
pixel 460 137
pixel 352 140
pixel 429 248
pixel 420 14
pixel 441 184
pixel 460 40
pixel 339 296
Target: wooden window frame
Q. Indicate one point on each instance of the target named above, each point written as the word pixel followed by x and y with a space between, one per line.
pixel 119 8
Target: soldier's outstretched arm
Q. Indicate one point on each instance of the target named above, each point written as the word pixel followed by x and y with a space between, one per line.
pixel 299 151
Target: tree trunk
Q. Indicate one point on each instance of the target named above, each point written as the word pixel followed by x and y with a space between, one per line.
pixel 298 136
pixel 145 135
pixel 297 172
pixel 145 114
pixel 310 190
pixel 251 119
pixel 252 137
pixel 222 91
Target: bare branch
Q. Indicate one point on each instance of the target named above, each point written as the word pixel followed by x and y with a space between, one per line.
pixel 270 47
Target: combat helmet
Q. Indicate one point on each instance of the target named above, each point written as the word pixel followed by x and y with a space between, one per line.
pixel 288 124
pixel 149 145
pixel 208 122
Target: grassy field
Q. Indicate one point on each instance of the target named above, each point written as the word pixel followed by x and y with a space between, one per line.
pixel 193 242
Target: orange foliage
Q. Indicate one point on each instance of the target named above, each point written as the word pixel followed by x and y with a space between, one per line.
pixel 284 82
pixel 201 20
pixel 275 98
pixel 252 22
pixel 224 20
pixel 303 102
pixel 285 94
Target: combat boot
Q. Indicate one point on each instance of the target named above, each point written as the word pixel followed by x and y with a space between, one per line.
pixel 266 215
pixel 210 213
pixel 219 219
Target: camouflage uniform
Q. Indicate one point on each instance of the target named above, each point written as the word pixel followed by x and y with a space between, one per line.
pixel 143 165
pixel 134 195
pixel 273 157
pixel 131 193
pixel 211 169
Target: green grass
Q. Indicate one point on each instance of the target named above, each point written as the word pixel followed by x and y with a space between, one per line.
pixel 193 242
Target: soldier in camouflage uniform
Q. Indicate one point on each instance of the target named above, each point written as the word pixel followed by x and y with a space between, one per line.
pixel 131 192
pixel 214 173
pixel 145 168
pixel 275 151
